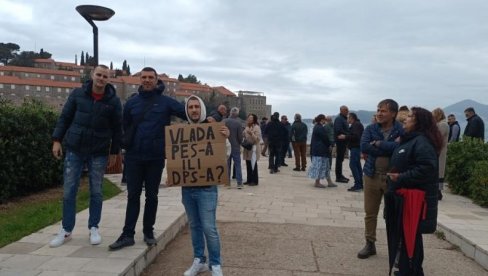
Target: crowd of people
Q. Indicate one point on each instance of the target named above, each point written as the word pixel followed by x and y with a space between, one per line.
pixel 403 151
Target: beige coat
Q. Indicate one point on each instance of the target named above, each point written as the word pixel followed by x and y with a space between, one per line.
pixel 444 130
pixel 252 134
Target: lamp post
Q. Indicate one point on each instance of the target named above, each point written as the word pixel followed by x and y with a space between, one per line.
pixel 98 13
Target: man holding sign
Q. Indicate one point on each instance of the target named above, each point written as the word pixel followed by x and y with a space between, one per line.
pixel 197 162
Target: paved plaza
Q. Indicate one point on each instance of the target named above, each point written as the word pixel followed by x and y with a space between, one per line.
pixel 284 226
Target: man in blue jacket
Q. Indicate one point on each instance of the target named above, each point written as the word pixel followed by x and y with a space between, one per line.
pixel 144 157
pixel 90 126
pixel 377 144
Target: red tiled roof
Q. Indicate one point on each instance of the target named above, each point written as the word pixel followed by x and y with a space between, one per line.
pixel 130 79
pixel 224 91
pixel 195 87
pixel 38 82
pixel 50 60
pixel 39 71
pixel 44 60
pixel 182 93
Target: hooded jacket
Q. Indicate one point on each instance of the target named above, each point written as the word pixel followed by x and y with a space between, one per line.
pixel 90 127
pixel 149 138
pixel 299 130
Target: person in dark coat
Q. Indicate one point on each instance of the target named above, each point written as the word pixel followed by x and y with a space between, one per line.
pixel 413 166
pixel 262 125
pixel 90 127
pixel 298 136
pixel 341 127
pixel 285 146
pixel 353 141
pixel 475 127
pixel 454 129
pixel 145 156
pixel 274 131
pixel 320 153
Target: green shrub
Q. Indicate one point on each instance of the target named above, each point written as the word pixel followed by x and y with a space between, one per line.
pixel 461 159
pixel 479 183
pixel 26 163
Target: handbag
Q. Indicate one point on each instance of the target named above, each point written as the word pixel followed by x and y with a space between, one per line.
pixel 246 144
pixel 130 131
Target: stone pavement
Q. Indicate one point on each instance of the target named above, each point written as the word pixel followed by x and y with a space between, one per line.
pixel 286 200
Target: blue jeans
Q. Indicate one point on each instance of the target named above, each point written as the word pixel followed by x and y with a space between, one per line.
pixel 73 166
pixel 200 206
pixel 355 166
pixel 236 157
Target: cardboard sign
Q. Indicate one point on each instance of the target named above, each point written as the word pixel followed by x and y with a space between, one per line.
pixel 196 155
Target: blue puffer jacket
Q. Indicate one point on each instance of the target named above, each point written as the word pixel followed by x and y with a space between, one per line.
pixel 88 126
pixel 148 141
pixel 386 147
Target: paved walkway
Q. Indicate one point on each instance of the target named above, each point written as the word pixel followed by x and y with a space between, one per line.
pixel 284 198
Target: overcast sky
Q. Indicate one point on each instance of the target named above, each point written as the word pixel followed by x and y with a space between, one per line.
pixel 308 56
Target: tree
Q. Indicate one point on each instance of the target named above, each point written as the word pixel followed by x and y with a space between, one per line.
pixel 190 79
pixel 82 59
pixel 111 66
pixel 8 51
pixel 25 59
pixel 124 65
pixel 128 69
pixel 43 54
pixel 86 57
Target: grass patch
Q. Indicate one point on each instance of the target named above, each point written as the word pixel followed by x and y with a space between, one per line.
pixel 24 216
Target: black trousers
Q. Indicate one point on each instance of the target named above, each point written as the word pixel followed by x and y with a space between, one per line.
pixel 252 175
pixel 413 267
pixel 274 155
pixel 139 173
pixel 340 153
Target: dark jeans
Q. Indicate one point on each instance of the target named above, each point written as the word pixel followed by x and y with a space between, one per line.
pixel 149 174
pixel 340 153
pixel 274 155
pixel 252 175
pixel 355 166
pixel 283 151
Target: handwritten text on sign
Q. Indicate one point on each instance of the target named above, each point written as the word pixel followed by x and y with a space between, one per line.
pixel 195 155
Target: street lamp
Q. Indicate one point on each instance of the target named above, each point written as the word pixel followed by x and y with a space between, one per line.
pixel 90 13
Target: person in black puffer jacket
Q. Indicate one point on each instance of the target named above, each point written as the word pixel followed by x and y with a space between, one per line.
pixel 145 155
pixel 90 127
pixel 414 168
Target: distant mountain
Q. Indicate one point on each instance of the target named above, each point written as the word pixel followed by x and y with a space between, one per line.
pixel 458 109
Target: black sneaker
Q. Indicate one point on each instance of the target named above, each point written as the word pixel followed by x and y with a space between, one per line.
pixel 354 189
pixel 296 169
pixel 122 241
pixel 150 240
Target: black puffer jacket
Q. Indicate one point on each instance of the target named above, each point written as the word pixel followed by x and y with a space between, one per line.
pixel 417 162
pixel 149 139
pixel 88 126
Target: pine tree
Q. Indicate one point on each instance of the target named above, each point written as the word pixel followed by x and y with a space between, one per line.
pixel 128 69
pixel 111 66
pixel 82 58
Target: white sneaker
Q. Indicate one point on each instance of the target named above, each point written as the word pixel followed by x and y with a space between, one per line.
pixel 95 237
pixel 196 268
pixel 60 238
pixel 217 270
